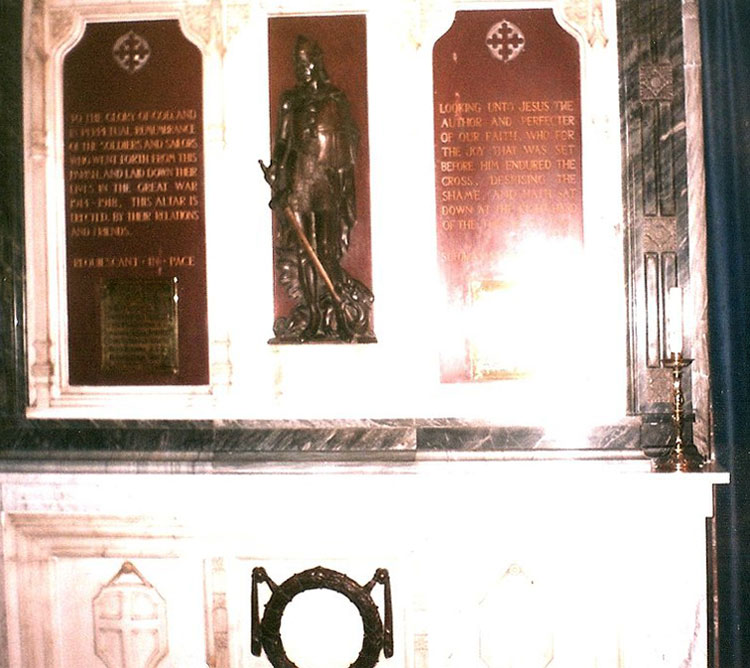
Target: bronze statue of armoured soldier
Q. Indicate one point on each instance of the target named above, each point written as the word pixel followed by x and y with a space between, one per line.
pixel 312 181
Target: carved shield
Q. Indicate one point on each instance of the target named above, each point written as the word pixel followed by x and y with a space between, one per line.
pixel 130 622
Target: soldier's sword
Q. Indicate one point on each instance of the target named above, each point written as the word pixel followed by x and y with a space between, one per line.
pixel 296 223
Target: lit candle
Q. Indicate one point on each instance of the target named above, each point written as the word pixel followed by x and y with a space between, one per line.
pixel 674 321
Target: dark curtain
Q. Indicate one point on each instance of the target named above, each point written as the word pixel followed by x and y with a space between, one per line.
pixel 725 26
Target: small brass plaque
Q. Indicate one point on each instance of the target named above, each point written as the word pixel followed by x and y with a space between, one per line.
pixel 139 326
pixel 498 346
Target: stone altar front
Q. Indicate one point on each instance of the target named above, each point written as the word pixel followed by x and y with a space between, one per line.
pixel 492 563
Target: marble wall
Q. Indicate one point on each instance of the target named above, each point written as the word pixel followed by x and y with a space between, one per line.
pixel 655 234
pixel 12 364
pixel 661 117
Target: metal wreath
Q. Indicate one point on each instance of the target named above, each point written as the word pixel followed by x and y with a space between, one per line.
pixel 267 633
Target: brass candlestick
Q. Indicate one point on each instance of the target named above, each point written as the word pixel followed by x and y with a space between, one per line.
pixel 683 456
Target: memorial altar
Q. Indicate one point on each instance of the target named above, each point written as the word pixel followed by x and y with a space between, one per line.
pixel 427 387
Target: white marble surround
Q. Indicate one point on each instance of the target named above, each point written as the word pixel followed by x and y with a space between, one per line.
pixel 501 564
pixel 251 379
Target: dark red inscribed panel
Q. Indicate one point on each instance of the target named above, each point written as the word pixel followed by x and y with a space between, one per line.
pixel 135 214
pixel 343 41
pixel 507 114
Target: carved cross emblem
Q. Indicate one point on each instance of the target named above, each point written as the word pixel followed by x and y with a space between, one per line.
pixel 130 622
pixel 505 41
pixel 131 52
pixel 655 82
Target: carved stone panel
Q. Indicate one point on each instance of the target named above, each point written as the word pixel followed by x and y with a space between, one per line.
pixel 130 621
pixel 512 625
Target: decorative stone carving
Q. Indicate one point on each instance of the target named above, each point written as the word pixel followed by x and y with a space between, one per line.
pixel 62 23
pixel 588 16
pixel 421 650
pixel 659 234
pixel 131 51
pixel 655 82
pixel 37 47
pixel 130 621
pixel 217 23
pixel 415 16
pixel 505 41
pixel 217 616
pixel 512 624
pixel 42 371
pixel 204 22
pixel 237 16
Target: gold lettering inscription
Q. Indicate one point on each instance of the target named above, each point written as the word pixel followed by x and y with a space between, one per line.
pixel 457 166
pixel 528 165
pixel 548 120
pixel 457 210
pixel 535 105
pixel 500 106
pixel 126 168
pixel 461 122
pixel 460 195
pixel 460 107
pixel 112 262
pixel 505 158
pixel 450 151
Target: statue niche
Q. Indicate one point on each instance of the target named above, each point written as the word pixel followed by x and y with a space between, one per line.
pixel 311 175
